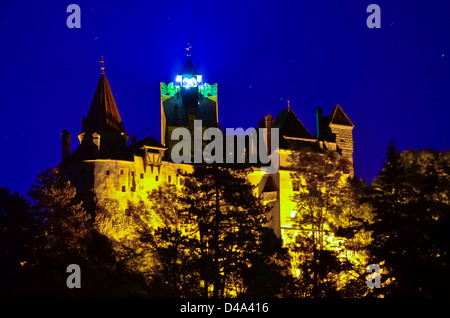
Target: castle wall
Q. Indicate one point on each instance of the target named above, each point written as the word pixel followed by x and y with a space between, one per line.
pixel 119 180
pixel 344 140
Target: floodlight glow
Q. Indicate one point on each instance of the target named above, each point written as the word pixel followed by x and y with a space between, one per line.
pixel 178 78
pixel 189 82
pixel 199 78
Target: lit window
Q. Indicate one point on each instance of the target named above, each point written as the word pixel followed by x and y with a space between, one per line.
pixel 293 212
pixel 189 82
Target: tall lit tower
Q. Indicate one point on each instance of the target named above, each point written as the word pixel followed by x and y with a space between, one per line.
pixel 185 100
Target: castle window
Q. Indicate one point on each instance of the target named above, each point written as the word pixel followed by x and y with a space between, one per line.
pixel 170 179
pixel 121 171
pixel 156 178
pixel 123 188
pixel 133 189
pixel 142 176
pixel 295 185
pixel 293 212
pixel 107 172
pixel 132 173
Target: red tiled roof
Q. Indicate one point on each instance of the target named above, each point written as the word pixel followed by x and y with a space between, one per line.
pixel 103 113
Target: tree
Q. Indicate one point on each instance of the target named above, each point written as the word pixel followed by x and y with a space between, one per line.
pixel 64 223
pixel 16 226
pixel 64 234
pixel 410 198
pixel 352 227
pixel 223 247
pixel 319 177
pixel 329 244
pixel 175 245
pixel 146 239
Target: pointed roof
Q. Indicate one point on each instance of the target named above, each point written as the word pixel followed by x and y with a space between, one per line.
pixel 189 68
pixel 149 142
pixel 290 125
pixel 103 113
pixel 339 117
pixel 270 185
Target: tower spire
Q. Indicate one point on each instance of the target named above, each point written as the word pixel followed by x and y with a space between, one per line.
pixel 188 49
pixel 289 106
pixel 102 65
pixel 103 113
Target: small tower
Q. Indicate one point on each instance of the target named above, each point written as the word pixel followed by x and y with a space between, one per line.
pixel 342 128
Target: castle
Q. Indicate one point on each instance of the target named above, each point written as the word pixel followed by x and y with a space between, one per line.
pixel 107 166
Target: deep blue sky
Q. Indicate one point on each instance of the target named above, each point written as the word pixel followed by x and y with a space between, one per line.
pixel 393 82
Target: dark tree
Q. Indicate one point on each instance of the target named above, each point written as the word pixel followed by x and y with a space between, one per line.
pixel 410 198
pixel 63 222
pixel 16 226
pixel 63 234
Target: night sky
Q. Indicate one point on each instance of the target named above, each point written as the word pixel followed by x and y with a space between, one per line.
pixel 393 82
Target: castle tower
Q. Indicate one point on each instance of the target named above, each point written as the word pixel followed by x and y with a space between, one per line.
pixel 103 142
pixel 102 130
pixel 184 101
pixel 337 128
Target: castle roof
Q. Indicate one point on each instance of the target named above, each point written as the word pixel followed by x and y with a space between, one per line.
pixel 270 185
pixel 339 117
pixel 148 142
pixel 290 125
pixel 103 113
pixel 189 68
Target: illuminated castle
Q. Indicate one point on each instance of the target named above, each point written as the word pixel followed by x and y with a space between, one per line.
pixel 108 166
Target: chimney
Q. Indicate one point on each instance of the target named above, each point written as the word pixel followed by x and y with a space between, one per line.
pixel 65 144
pixel 319 113
pixel 269 124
